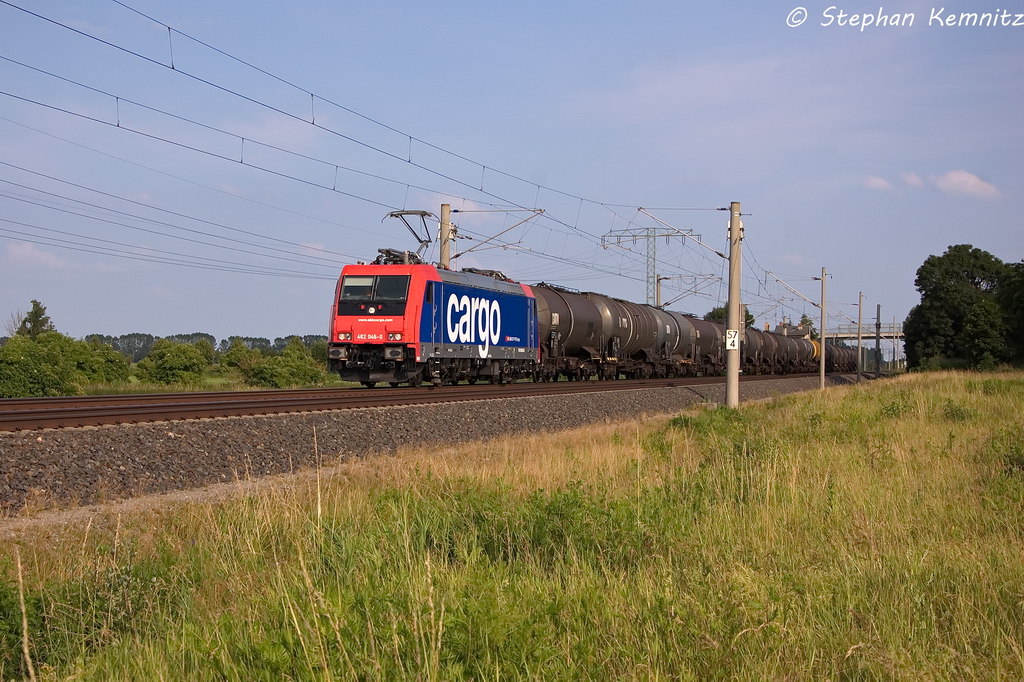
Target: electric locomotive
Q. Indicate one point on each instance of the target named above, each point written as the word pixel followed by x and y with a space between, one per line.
pixel 399 320
pixel 402 321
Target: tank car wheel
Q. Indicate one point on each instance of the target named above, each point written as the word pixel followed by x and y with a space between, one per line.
pixel 369 384
pixel 471 380
pixel 393 384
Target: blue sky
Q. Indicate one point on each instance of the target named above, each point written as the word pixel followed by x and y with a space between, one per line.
pixel 862 151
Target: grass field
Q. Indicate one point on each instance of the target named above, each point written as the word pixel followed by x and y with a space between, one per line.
pixel 871 532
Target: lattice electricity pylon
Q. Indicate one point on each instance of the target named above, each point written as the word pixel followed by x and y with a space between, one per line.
pixel 651 234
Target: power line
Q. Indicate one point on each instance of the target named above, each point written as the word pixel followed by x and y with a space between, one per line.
pixel 196 184
pixel 119 99
pixel 158 222
pixel 150 249
pixel 370 119
pixel 573 227
pixel 91 248
pixel 242 140
pixel 199 150
pixel 313 123
pixel 148 231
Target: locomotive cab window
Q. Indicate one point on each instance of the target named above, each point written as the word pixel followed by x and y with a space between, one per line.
pixel 385 294
pixel 356 288
pixel 391 288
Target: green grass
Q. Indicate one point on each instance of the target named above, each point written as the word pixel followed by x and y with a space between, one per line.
pixel 873 532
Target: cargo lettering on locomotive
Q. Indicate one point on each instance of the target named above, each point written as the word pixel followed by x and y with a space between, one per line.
pixel 479 316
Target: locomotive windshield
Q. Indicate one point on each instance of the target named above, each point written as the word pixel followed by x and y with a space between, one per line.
pixel 384 291
pixel 391 287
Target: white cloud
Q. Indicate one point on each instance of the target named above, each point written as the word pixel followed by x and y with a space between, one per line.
pixel 874 182
pixel 962 183
pixel 24 253
pixel 912 179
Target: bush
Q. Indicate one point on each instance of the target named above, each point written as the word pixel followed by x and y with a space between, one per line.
pixel 46 366
pixel 241 356
pixel 169 363
pixel 293 367
pixel 106 364
pixel 318 349
pixel 206 349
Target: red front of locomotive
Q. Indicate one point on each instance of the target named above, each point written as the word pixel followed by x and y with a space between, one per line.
pixel 374 331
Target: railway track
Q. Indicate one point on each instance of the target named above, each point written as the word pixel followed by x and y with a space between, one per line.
pixel 22 414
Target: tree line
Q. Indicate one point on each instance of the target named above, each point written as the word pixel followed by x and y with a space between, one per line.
pixel 137 346
pixel 37 360
pixel 971 312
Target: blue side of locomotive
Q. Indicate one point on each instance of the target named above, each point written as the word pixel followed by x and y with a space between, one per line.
pixel 477 317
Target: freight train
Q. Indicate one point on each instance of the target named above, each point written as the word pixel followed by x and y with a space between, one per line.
pixel 398 320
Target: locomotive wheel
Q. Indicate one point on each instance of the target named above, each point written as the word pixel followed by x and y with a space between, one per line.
pixel 369 384
pixel 471 380
pixel 416 381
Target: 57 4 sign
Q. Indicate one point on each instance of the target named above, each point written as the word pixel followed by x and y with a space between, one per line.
pixel 732 339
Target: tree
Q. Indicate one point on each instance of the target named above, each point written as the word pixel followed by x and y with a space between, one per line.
pixel 35 322
pixel 952 287
pixel 169 363
pixel 12 323
pixel 293 367
pixel 805 321
pixel 106 364
pixel 53 364
pixel 258 343
pixel 133 346
pixel 239 355
pixel 205 347
pixel 720 315
pixel 318 350
pixel 194 337
pixel 1010 296
pixel 983 338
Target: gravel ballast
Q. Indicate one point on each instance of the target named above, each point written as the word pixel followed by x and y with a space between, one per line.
pixel 72 466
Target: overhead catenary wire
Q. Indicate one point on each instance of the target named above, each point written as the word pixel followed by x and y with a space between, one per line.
pixel 330 261
pixel 370 119
pixel 332 265
pixel 485 168
pixel 194 183
pixel 224 266
pixel 277 110
pixel 121 99
pixel 255 101
pixel 120 125
pixel 533 252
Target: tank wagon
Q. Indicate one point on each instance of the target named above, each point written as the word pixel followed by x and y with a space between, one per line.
pixel 409 322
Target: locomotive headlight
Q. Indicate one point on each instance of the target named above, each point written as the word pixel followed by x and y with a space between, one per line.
pixel 344 336
pixel 394 336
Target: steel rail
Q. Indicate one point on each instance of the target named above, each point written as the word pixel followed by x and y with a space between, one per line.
pixel 39 413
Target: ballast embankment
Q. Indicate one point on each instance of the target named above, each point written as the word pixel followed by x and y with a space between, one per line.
pixel 72 466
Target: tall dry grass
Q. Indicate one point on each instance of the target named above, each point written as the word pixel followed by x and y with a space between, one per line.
pixel 868 532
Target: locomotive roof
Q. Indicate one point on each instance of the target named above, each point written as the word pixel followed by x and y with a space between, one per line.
pixel 479 281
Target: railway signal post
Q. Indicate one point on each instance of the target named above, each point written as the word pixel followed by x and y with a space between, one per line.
pixel 734 326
